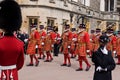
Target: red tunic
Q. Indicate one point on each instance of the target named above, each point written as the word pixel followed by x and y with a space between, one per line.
pixel 57 39
pixel 83 43
pixel 34 37
pixel 92 36
pixel 112 44
pixel 11 53
pixel 118 46
pixel 67 38
pixel 74 36
pixel 42 39
pixel 96 42
pixel 49 41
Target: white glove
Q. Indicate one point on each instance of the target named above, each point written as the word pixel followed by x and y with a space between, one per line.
pixel 52 45
pixel 68 46
pixel 88 51
pixel 36 46
pixel 74 39
pixel 105 69
pixel 105 51
pixel 91 40
pixel 99 68
pixel 58 38
pixel 25 40
pixel 43 37
pixel 114 52
pixel 42 43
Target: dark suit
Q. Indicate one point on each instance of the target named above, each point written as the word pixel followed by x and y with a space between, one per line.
pixel 105 61
pixel 22 37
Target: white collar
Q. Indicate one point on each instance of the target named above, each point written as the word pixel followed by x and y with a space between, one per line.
pixel 104 50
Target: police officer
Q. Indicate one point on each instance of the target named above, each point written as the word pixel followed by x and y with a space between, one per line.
pixel 103 60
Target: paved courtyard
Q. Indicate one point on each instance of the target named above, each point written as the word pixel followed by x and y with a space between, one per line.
pixel 53 71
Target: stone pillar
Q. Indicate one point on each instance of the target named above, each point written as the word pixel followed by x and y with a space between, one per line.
pixel 115 4
pixel 102 5
pixel 108 5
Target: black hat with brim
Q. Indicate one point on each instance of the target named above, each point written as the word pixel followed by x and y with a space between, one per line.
pixel 82 26
pixel 41 26
pixel 110 30
pixel 98 30
pixel 104 39
pixel 67 26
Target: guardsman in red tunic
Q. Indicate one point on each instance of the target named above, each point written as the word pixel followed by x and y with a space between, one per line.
pixel 112 44
pixel 41 42
pixel 118 47
pixel 96 39
pixel 11 48
pixel 73 43
pixel 49 39
pixel 82 46
pixel 92 36
pixel 66 41
pixel 31 49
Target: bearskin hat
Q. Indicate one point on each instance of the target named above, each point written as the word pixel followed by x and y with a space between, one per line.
pixel 10 16
pixel 104 39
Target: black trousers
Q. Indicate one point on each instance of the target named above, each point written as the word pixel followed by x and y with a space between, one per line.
pixel 56 49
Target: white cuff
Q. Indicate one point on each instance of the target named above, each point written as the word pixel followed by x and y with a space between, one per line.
pixel 88 51
pixel 25 40
pixel 36 46
pixel 68 46
pixel 52 45
pixel 114 52
pixel 42 43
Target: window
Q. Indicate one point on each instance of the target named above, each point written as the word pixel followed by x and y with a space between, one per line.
pixel 33 22
pixel 85 2
pixel 50 22
pixel 109 5
pixel 64 22
pixel 106 5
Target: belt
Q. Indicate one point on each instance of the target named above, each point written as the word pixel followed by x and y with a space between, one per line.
pixel 7 67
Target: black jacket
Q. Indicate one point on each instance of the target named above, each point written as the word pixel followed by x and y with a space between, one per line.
pixel 105 61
